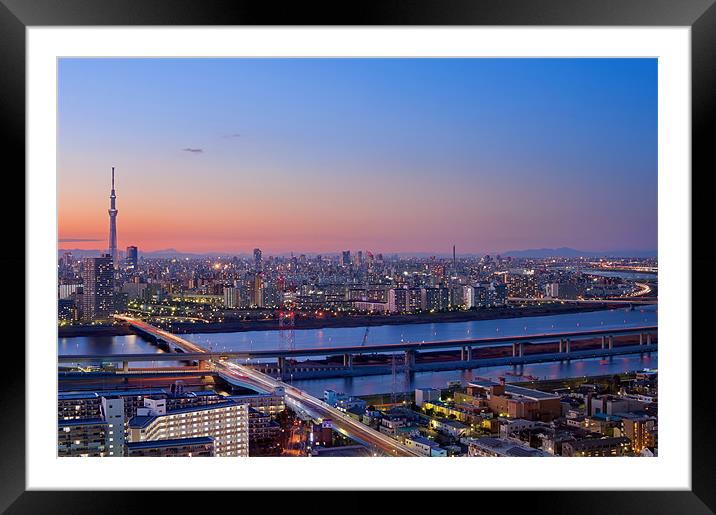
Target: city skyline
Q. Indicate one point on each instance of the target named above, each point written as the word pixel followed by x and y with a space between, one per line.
pixel 247 254
pixel 390 155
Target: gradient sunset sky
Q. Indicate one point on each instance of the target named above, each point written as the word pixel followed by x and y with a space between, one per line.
pixel 387 155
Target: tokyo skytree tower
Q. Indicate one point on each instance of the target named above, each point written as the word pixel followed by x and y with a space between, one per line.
pixel 113 223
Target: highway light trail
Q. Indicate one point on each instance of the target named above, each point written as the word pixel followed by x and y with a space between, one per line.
pixel 342 422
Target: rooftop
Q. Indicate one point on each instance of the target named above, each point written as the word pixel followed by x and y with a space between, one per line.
pixel 141 421
pixel 424 441
pixel 483 383
pixel 606 417
pixel 516 390
pixel 175 442
pixel 529 393
pixel 190 409
pixel 129 392
pixel 109 393
pixel 507 447
pixel 449 422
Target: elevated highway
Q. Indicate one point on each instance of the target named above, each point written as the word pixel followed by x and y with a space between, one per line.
pixel 191 351
pixel 245 375
pixel 158 334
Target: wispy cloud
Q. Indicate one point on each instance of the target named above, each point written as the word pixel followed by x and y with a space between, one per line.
pixel 74 240
pixel 234 135
pixel 193 150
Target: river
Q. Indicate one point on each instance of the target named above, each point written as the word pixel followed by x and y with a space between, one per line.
pixel 621 274
pixel 630 276
pixel 346 336
pixel 337 337
pixel 373 385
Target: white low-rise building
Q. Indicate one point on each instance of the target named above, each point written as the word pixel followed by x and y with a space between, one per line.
pixel 449 427
pixel 425 446
pixel 492 447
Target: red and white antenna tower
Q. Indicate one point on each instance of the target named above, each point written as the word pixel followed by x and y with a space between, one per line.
pixel 286 327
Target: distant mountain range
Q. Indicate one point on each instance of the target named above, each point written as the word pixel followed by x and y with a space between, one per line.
pixel 527 253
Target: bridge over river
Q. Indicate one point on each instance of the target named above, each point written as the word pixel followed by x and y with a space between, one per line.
pixel 298 399
pixel 529 348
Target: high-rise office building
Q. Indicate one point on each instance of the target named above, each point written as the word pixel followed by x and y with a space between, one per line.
pixel 258 260
pixel 132 258
pixel 434 299
pixel 232 297
pixel 65 291
pixel 66 310
pixel 98 288
pixel 271 296
pixel 522 283
pixel 258 297
pixel 346 257
pixel 415 300
pixel 398 300
pixel 68 259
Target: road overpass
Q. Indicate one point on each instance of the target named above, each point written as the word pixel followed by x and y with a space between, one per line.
pixel 191 351
pixel 157 334
pixel 248 376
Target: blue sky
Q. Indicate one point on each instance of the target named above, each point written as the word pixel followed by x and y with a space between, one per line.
pixel 385 154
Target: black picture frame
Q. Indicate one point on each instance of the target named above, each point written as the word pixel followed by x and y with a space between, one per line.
pixel 700 15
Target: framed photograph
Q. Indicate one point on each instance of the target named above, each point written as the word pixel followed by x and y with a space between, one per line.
pixel 436 231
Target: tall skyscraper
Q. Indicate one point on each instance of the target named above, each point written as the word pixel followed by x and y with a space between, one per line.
pixel 258 260
pixel 258 297
pixel 113 223
pixel 232 297
pixel 98 288
pixel 132 257
pixel 346 257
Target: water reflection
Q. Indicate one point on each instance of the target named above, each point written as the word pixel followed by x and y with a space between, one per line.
pixel 374 385
pixel 337 337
